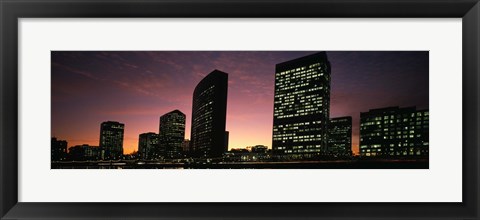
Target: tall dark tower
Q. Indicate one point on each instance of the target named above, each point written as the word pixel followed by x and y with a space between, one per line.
pixel 172 133
pixel 209 113
pixel 301 107
pixel 111 140
pixel 59 149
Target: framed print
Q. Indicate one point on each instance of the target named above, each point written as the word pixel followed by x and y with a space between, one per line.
pixel 255 110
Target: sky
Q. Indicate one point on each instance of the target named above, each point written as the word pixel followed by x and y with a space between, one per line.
pixel 137 87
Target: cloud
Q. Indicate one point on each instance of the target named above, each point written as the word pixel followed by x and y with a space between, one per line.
pixel 130 65
pixel 74 70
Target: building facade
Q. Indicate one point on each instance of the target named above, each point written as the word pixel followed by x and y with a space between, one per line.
pixel 186 146
pixel 172 133
pixel 84 152
pixel 227 134
pixel 301 107
pixel 394 132
pixel 209 113
pixel 58 149
pixel 340 136
pixel 111 140
pixel 148 148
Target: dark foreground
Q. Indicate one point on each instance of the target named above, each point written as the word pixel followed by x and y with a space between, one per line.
pixel 343 164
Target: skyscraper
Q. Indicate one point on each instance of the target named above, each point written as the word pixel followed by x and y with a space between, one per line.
pixel 186 146
pixel 172 133
pixel 227 134
pixel 209 113
pixel 148 145
pixel 340 136
pixel 394 132
pixel 111 140
pixel 58 150
pixel 301 107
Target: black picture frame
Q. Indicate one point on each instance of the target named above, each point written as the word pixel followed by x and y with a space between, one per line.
pixel 12 10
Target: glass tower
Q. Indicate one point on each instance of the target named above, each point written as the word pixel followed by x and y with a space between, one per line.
pixel 148 145
pixel 172 133
pixel 394 132
pixel 111 140
pixel 209 113
pixel 340 136
pixel 301 107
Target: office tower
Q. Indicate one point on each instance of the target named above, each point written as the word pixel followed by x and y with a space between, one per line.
pixel 172 133
pixel 340 136
pixel 58 149
pixel 111 140
pixel 227 134
pixel 148 146
pixel 301 107
pixel 394 132
pixel 209 113
pixel 186 145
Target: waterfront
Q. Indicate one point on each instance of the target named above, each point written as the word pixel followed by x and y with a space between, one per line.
pixel 340 164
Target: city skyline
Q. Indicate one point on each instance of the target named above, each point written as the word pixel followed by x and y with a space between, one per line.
pixel 75 75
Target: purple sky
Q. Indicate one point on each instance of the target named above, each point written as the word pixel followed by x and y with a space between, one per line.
pixel 136 88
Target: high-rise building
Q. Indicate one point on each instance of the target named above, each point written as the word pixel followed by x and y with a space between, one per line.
pixel 394 132
pixel 301 107
pixel 340 136
pixel 111 140
pixel 172 133
pixel 58 150
pixel 209 113
pixel 186 145
pixel 148 146
pixel 227 134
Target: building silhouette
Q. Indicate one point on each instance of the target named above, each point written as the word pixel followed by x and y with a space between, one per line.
pixel 84 152
pixel 111 140
pixel 227 134
pixel 58 149
pixel 148 146
pixel 209 112
pixel 394 132
pixel 172 133
pixel 186 146
pixel 340 136
pixel 259 149
pixel 249 154
pixel 301 107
